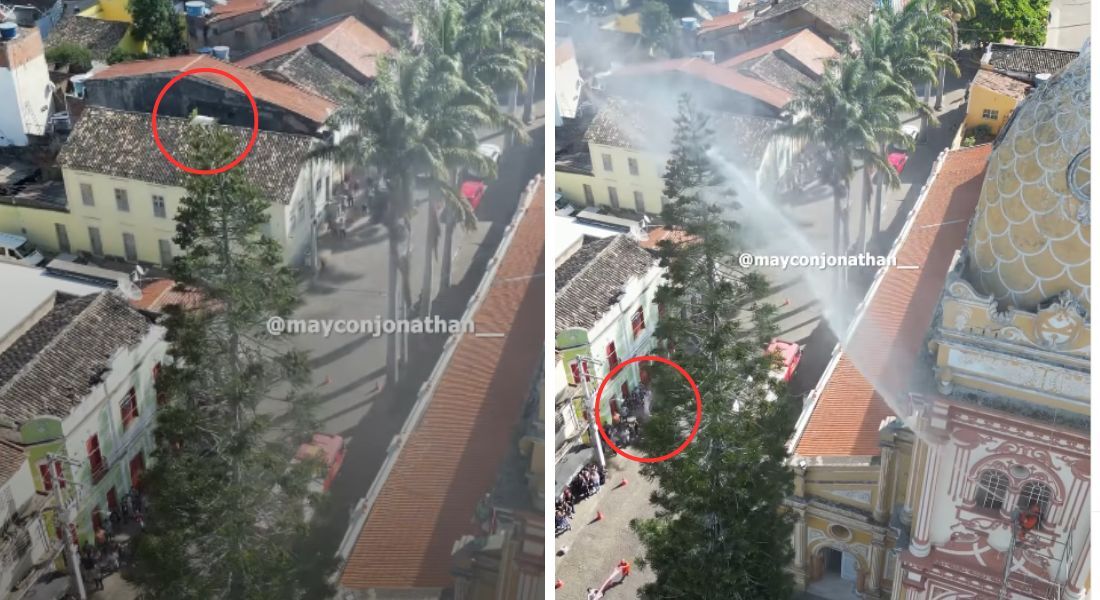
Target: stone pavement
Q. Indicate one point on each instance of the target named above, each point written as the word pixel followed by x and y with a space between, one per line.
pixel 594 548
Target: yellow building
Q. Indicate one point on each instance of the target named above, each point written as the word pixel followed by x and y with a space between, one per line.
pixel 616 158
pixel 944 455
pixel 993 97
pixel 121 195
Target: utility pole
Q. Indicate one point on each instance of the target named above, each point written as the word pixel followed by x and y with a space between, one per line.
pixel 590 406
pixel 57 473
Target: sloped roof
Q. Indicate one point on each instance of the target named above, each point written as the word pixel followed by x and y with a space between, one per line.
pixel 273 164
pixel 803 47
pixel 1002 84
pixel 294 99
pixel 99 36
pixel 12 458
pixel 1029 59
pixel 727 21
pixel 890 332
pixel 53 366
pixel 634 125
pixel 593 278
pixel 452 458
pixel 356 44
pixel 704 70
pixel 841 15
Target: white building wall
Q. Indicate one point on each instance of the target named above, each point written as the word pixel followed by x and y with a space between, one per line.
pixel 25 93
pixel 100 413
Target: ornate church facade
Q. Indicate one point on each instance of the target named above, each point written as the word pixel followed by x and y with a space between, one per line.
pixel 945 453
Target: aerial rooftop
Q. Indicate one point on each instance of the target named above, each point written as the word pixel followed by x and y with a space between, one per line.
pixel 882 349
pixel 590 281
pixel 274 163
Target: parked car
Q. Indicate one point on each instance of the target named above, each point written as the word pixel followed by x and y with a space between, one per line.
pixel 898 159
pixel 491 151
pixel 473 190
pixel 16 248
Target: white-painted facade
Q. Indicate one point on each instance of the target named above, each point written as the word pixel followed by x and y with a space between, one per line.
pixel 25 88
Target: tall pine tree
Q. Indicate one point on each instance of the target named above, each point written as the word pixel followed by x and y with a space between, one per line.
pixel 226 514
pixel 720 531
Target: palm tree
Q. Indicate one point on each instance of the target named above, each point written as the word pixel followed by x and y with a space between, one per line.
pixel 907 47
pixel 954 11
pixel 442 33
pixel 404 125
pixel 846 114
pixel 498 44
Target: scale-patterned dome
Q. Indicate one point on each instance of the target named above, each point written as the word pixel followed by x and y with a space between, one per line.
pixel 1031 239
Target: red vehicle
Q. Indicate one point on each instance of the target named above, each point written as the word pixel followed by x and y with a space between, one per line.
pixel 473 190
pixel 790 353
pixel 330 451
pixel 898 160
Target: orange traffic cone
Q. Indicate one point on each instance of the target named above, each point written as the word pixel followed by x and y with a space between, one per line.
pixel 623 482
pixel 558 585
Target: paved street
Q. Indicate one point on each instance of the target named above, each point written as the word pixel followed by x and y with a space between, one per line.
pixel 804 295
pixel 595 548
pixel 349 370
pixel 1069 24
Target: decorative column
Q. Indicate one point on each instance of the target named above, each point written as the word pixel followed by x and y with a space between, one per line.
pixel 878 560
pixel 885 470
pixel 801 571
pixel 921 544
pixel 1075 590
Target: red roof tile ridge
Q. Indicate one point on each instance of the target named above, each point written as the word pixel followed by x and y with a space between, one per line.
pixel 847 409
pixel 781 44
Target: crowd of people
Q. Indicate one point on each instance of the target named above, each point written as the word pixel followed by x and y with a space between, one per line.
pixel 584 485
pixel 106 555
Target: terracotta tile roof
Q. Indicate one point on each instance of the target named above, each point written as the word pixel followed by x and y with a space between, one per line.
pixel 233 8
pixel 52 367
pixel 273 164
pixel 158 294
pixel 294 99
pixel 891 331
pixel 356 44
pixel 659 234
pixel 453 456
pixel 1002 84
pixel 703 70
pixel 728 20
pixel 841 15
pixel 12 459
pixel 805 47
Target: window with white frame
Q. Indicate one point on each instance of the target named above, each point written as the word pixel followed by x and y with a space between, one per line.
pixel 990 114
pixel 992 489
pixel 1036 494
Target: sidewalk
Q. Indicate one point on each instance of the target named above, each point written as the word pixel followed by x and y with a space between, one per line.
pixel 596 547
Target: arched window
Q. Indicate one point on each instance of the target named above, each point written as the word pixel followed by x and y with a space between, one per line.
pixel 1034 494
pixel 992 488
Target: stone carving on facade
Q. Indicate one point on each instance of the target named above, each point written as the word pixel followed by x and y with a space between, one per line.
pixel 1060 323
pixel 1005 427
pixel 1029 375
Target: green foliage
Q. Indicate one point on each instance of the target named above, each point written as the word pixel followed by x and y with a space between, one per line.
pixel 227 516
pixel 157 23
pixel 120 54
pixel 720 530
pixel 75 56
pixel 980 134
pixel 969 141
pixel 1024 21
pixel 658 27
